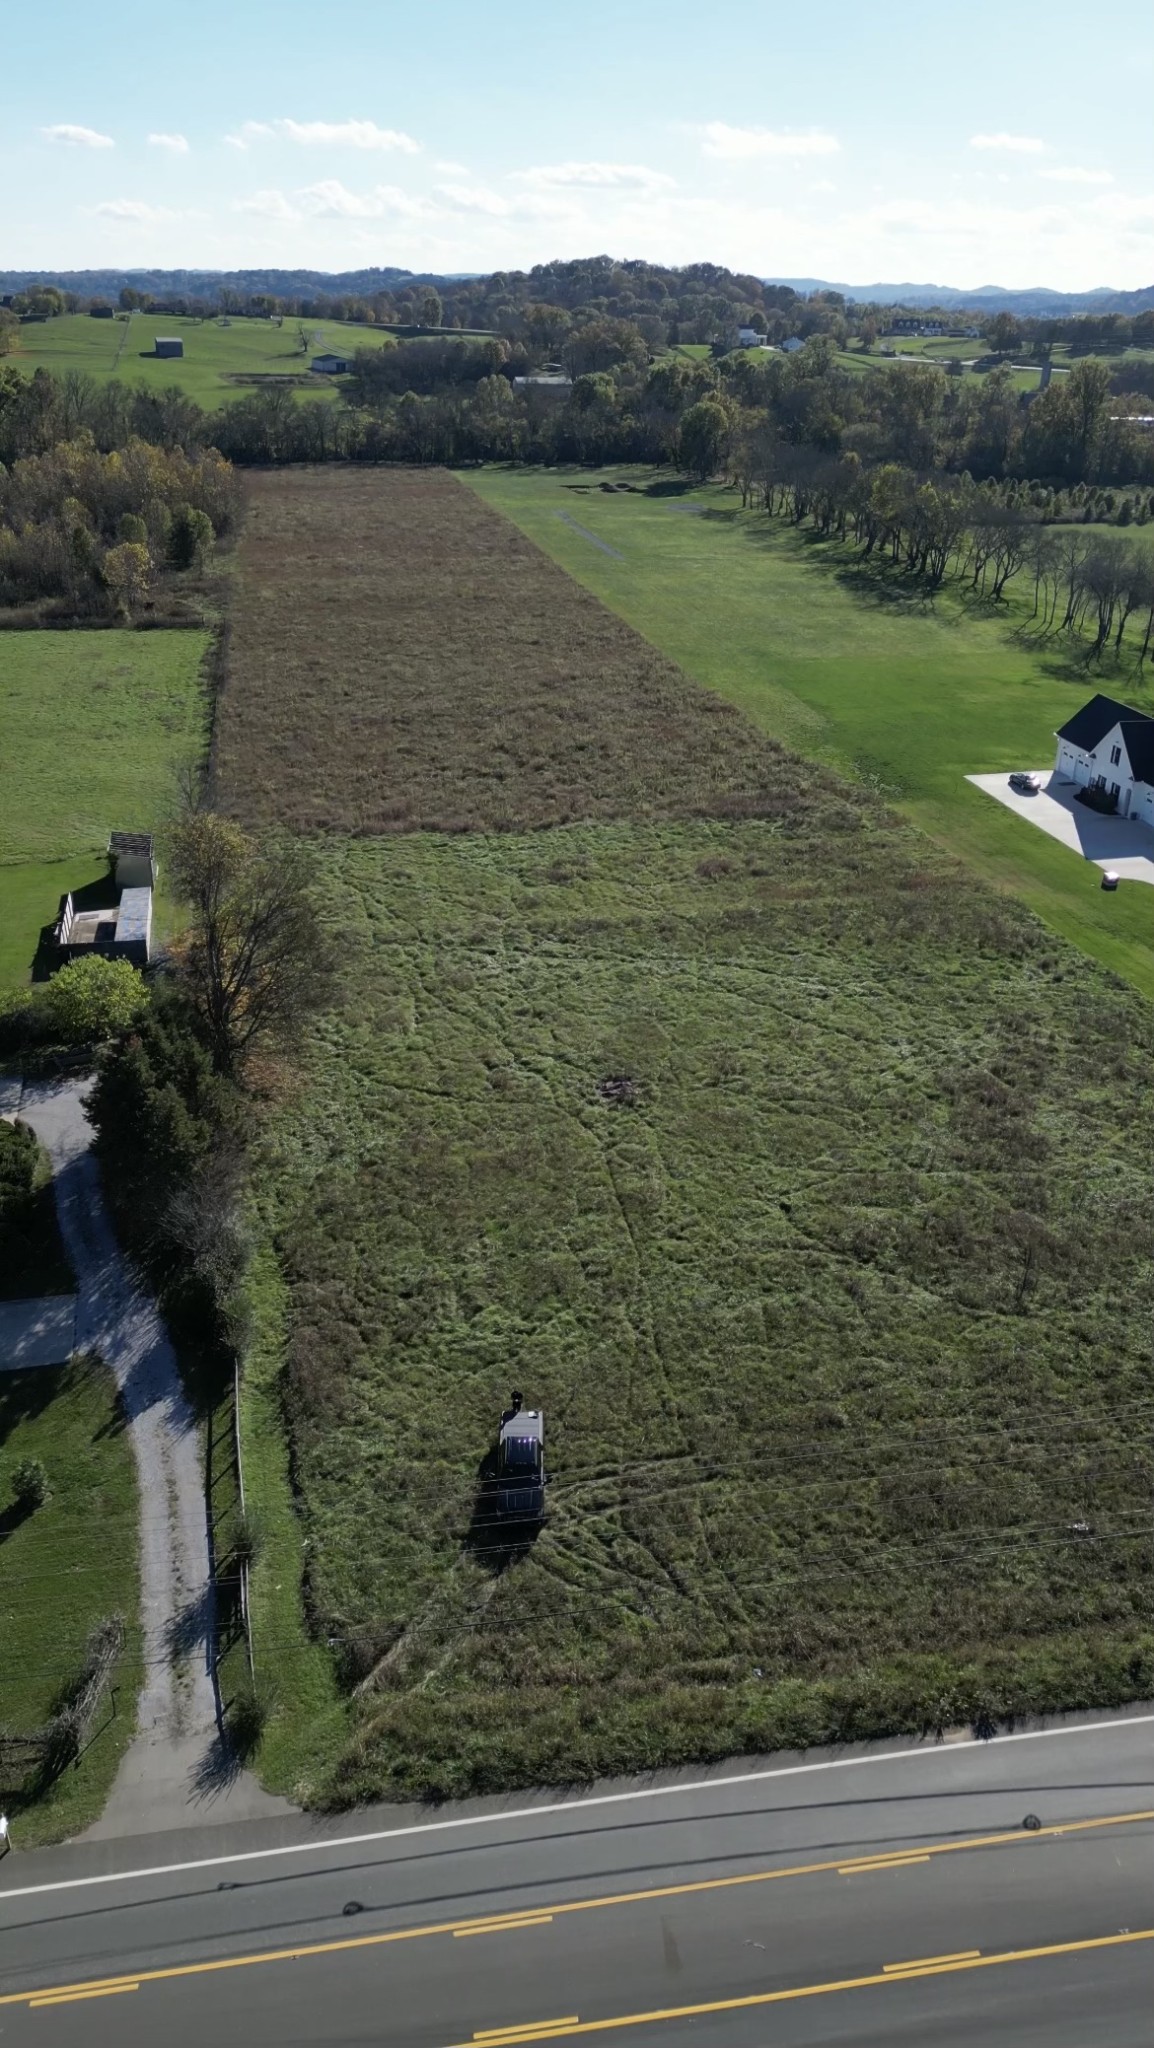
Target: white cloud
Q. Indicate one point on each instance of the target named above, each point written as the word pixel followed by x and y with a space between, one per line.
pixel 1076 174
pixel 472 199
pixel 178 144
pixel 328 199
pixel 449 170
pixel 598 175
pixel 740 145
pixel 1014 145
pixel 325 134
pixel 270 205
pixel 77 138
pixel 137 210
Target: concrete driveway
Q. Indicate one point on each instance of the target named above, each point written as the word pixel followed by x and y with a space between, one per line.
pixel 1119 843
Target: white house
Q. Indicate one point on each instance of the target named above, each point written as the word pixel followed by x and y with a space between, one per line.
pixel 1110 746
pixel 330 365
pixel 749 337
pixel 793 344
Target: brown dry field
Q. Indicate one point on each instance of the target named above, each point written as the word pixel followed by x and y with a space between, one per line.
pixel 401 658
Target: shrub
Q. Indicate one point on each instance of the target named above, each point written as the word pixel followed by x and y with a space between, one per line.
pixel 30 1486
pixel 90 1000
pixel 245 1719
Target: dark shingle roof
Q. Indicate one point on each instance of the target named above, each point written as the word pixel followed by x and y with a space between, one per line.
pixel 130 842
pixel 1100 716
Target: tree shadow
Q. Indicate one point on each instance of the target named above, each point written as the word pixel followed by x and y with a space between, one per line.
pixel 217 1770
pixel 25 1395
pixel 14 1517
pixel 192 1627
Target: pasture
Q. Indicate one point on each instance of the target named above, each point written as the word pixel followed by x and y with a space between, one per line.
pixel 96 726
pixel 787 1165
pixel 219 362
pixel 906 692
pixel 56 1583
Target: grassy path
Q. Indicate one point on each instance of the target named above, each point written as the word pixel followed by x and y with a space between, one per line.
pixel 907 694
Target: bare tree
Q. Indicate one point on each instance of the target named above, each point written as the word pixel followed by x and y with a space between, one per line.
pixel 255 960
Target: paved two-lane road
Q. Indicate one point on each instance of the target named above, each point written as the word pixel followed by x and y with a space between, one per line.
pixel 881 1898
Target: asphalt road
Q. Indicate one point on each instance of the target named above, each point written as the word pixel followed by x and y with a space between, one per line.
pixel 875 1899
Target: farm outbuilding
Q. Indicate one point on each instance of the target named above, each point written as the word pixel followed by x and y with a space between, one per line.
pixel 330 365
pixel 131 859
pixel 168 345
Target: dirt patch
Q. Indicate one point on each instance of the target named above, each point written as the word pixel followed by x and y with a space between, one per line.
pixel 402 658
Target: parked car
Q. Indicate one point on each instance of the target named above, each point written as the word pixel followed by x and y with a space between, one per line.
pixel 1025 783
pixel 521 1463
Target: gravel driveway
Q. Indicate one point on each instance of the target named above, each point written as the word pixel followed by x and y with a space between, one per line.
pixel 175 1767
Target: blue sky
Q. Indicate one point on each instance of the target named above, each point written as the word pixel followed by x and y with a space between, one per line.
pixel 964 145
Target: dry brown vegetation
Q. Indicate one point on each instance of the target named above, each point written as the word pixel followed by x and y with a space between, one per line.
pixel 402 658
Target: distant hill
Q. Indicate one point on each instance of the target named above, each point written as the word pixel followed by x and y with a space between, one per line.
pixel 297 284
pixel 1037 300
pixel 204 283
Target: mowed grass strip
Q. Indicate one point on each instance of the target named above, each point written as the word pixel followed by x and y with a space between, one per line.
pixel 402 658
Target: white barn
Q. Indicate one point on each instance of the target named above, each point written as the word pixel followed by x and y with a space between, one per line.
pixel 1110 746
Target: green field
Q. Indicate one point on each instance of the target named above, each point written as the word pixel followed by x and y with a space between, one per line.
pixel 907 692
pixel 218 362
pixel 57 1583
pixel 95 726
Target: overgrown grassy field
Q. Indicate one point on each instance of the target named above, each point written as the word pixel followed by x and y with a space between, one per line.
pixel 218 363
pixel 57 1582
pixel 95 726
pixel 907 692
pixel 839 1319
pixel 463 684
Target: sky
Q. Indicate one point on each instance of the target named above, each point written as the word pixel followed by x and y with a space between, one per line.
pixel 965 146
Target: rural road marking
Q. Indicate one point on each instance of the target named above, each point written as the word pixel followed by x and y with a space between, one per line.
pixel 563 1806
pixel 512 1923
pixel 74 1997
pixel 760 1998
pixel 526 2027
pixel 962 1955
pixel 891 1863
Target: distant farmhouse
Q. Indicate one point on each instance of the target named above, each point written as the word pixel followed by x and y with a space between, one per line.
pixel 1109 747
pixel 330 365
pixel 793 344
pixel 168 345
pixel 750 337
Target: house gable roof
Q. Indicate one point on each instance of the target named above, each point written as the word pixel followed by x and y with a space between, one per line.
pixel 1100 716
pixel 130 842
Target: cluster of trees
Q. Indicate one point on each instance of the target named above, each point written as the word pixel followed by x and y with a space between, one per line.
pixel 934 526
pixel 176 1098
pixel 90 529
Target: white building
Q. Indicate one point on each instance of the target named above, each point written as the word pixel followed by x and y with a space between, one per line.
pixel 749 337
pixel 1110 746
pixel 793 344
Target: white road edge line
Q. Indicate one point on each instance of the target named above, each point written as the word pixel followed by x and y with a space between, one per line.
pixel 322 1846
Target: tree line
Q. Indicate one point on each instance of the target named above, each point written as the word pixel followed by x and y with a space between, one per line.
pixel 84 532
pixel 1098 589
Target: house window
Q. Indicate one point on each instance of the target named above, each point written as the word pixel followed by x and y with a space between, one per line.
pixel 1115 756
